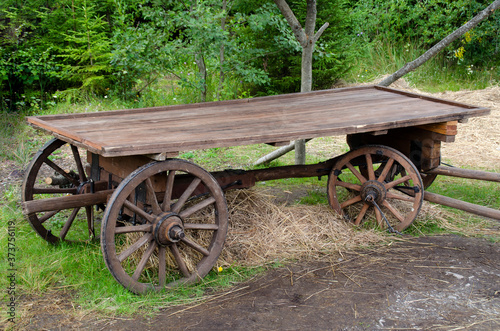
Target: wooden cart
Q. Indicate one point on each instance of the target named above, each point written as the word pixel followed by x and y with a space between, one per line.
pixel 160 208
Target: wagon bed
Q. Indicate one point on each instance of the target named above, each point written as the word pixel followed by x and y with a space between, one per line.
pixel 250 121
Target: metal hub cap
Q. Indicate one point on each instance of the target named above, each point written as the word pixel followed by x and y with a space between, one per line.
pixel 373 190
pixel 168 228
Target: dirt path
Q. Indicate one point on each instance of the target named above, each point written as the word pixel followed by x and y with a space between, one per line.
pixel 431 283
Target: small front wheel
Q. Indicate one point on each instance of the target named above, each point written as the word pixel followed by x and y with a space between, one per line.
pixel 165 225
pixel 376 180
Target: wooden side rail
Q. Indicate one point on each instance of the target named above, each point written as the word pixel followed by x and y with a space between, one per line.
pixel 65 202
pixel 465 173
pixel 462 205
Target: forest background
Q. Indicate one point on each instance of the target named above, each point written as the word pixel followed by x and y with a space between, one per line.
pixel 140 53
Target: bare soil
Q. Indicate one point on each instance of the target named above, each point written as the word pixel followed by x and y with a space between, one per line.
pixel 430 283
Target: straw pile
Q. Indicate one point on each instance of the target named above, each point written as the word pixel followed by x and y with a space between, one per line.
pixel 261 231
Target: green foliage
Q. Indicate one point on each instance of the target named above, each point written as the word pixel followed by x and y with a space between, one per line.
pixel 268 30
pixel 88 49
pixel 436 75
pixel 425 22
pixel 213 50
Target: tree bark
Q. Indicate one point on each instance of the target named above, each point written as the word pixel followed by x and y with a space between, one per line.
pixel 410 66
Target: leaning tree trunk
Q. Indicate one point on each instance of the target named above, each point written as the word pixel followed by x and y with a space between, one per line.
pixel 441 45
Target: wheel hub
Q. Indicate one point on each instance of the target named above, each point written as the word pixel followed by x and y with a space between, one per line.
pixel 373 190
pixel 168 229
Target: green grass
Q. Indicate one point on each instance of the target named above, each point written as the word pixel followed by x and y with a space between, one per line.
pixel 436 75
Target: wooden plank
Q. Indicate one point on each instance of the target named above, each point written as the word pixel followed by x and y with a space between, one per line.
pixel 446 128
pixel 251 121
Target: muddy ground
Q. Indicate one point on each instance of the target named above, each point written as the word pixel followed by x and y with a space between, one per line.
pixel 430 283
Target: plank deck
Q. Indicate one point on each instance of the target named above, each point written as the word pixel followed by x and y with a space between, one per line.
pixel 250 121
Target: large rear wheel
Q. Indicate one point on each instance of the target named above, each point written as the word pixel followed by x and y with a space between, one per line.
pixel 165 225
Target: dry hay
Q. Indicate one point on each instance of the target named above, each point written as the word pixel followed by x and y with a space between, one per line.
pixel 261 231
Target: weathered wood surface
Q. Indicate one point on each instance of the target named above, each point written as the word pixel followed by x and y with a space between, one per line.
pixel 249 121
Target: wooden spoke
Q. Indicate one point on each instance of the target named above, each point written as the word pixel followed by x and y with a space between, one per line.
pixel 69 222
pixel 348 185
pixel 162 266
pixel 79 165
pixel 379 218
pixel 47 215
pixel 196 246
pixel 90 221
pixel 151 197
pixel 134 228
pixel 362 213
pixel 394 211
pixel 54 190
pixel 61 172
pixel 356 173
pixel 179 260
pixel 135 246
pixel 386 170
pixel 369 165
pixel 403 197
pixel 201 226
pixel 133 208
pixel 182 200
pixel 199 206
pixel 142 263
pixel 167 200
pixel 351 201
pixel 398 181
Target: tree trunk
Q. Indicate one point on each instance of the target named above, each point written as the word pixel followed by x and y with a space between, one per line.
pixel 306 37
pixel 221 51
pixel 202 69
pixel 441 45
pixel 305 86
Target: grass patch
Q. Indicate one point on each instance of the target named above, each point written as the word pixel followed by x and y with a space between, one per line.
pixel 438 74
pixel 79 268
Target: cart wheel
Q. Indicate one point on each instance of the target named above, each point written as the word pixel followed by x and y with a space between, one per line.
pixel 52 162
pixel 373 176
pixel 165 225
